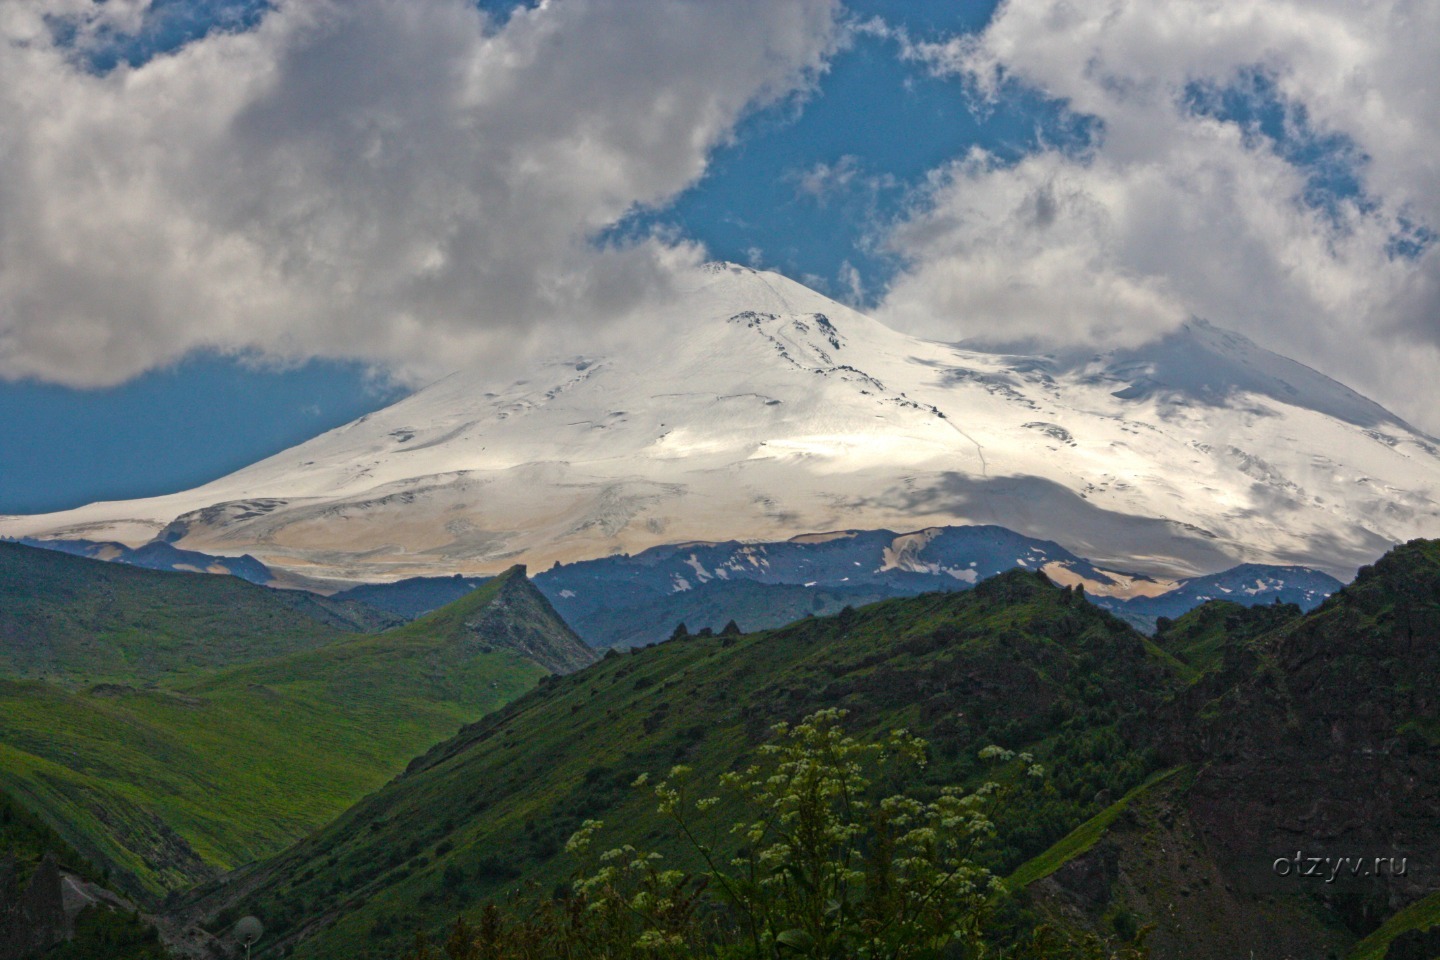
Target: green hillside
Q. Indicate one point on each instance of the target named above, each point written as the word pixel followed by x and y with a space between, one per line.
pixel 166 785
pixel 36 868
pixel 74 620
pixel 1180 769
pixel 1199 637
pixel 25 840
pixel 1016 662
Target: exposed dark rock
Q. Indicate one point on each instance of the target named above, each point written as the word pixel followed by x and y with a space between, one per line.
pixel 1088 879
pixel 32 919
pixel 1415 945
pixel 519 618
pixel 1315 740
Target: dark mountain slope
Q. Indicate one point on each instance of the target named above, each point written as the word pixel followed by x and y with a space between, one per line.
pixel 752 605
pixel 1316 735
pixel 74 619
pixel 159 555
pixel 626 601
pixel 413 597
pixel 1247 585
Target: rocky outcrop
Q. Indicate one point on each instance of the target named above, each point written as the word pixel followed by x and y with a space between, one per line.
pixel 1324 744
pixel 519 618
pixel 1310 812
pixel 32 915
pixel 1415 945
pixel 40 912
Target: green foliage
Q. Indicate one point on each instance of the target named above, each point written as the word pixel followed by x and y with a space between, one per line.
pixel 1048 942
pixel 826 865
pixel 76 621
pixel 27 838
pixel 105 934
pixel 1015 662
pixel 167 786
pixel 1199 638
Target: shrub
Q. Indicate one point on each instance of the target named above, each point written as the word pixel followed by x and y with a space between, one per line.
pixel 826 867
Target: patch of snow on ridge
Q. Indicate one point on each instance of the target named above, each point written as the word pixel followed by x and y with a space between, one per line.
pixel 823 537
pixel 701 574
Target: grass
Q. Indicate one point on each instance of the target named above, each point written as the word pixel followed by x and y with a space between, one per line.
pixel 168 785
pixel 500 800
pixel 76 621
pixel 1420 915
pixel 235 768
pixel 1083 837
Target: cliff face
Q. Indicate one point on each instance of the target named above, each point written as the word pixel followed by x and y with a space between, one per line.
pixel 1322 738
pixel 32 915
pixel 1316 738
pixel 519 618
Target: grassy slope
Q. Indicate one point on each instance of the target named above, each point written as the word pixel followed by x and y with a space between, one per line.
pixel 79 621
pixel 1082 838
pixel 502 797
pixel 27 839
pixel 166 786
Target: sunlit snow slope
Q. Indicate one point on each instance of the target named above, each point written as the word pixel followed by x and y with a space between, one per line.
pixel 765 410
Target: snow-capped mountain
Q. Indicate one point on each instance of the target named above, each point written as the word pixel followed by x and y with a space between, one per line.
pixel 638 599
pixel 766 410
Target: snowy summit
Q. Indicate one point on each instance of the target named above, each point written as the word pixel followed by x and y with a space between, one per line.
pixel 773 411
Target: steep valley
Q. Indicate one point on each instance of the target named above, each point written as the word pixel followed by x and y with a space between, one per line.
pixel 166 783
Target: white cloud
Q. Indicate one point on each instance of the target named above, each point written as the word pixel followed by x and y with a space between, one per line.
pixel 400 181
pixel 1171 212
pixel 824 179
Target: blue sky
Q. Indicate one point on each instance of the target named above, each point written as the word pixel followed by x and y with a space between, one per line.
pixel 885 161
pixel 174 428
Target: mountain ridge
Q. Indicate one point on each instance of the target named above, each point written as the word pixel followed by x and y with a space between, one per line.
pixel 168 779
pixel 76 618
pixel 1163 807
pixel 763 410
